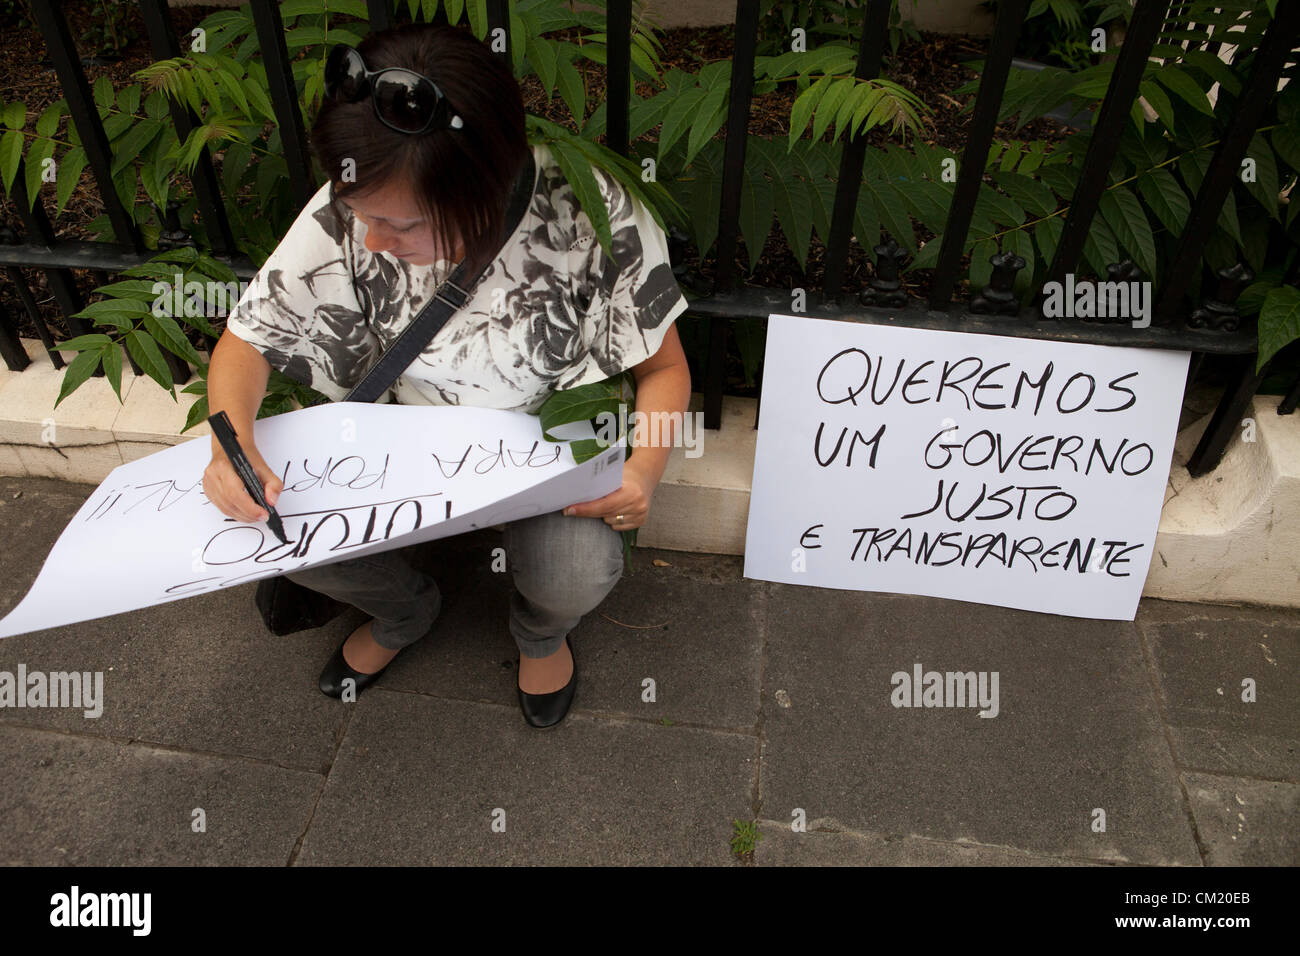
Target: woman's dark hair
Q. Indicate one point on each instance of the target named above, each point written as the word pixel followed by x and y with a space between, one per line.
pixel 461 178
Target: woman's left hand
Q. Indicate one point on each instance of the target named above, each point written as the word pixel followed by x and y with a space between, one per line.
pixel 624 509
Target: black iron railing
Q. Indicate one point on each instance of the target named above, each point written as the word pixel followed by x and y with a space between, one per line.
pixel 1212 327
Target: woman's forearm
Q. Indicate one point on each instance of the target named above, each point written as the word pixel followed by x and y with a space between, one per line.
pixel 664 391
pixel 236 383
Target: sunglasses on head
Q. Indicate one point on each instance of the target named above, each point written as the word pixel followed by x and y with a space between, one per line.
pixel 404 101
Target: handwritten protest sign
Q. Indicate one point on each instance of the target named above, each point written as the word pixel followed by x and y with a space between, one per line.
pixel 358 478
pixel 1009 471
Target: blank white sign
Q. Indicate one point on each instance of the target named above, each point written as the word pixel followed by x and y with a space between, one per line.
pixel 1000 470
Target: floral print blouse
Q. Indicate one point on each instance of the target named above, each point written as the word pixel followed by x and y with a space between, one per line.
pixel 552 311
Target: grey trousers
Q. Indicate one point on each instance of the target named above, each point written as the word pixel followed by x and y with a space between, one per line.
pixel 563 567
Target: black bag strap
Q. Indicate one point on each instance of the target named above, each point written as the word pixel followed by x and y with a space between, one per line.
pixel 453 293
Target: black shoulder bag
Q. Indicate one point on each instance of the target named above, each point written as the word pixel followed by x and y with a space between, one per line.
pixel 288 607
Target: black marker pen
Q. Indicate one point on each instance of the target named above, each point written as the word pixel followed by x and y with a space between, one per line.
pixel 225 433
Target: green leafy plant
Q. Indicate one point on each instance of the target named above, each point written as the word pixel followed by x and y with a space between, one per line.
pixel 1053 30
pixel 17 12
pixel 822 20
pixel 598 403
pixel 745 838
pixel 1161 164
pixel 675 163
pixel 109 33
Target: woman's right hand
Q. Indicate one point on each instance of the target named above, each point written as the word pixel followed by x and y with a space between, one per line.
pixel 224 489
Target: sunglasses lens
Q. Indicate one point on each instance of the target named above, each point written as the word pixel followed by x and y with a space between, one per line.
pixel 345 74
pixel 406 100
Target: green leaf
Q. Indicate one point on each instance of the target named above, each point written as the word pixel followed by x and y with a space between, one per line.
pixel 1047 235
pixel 1059 178
pixel 577 170
pixel 135 142
pixel 928 257
pixel 1286 140
pixel 80 343
pixel 705 199
pixel 147 355
pixel 478 20
pixel 1279 322
pixel 1265 185
pixel 1166 198
pixel 119 313
pixel 928 202
pixel 518 36
pixel 981 268
pixel 1228 218
pixel 787 202
pixel 571 90
pixel 541 53
pixel 1033 195
pixel 1099 248
pixel 893 214
pixel 862 104
pixel 583 403
pixel 1159 102
pixel 116 125
pixel 804 106
pixel 1124 214
pixel 14 116
pixel 234 164
pixel 257 96
pixel 1213 67
pixel 679 119
pixel 1193 165
pixel 1001 209
pixel 1184 87
pixel 103 94
pixel 710 114
pixel 198 413
pixel 821 203
pixel 294 8
pixel 34 167
pixel 48 124
pixel 111 355
pixel 70 168
pixel 756 208
pixel 168 334
pixel 866 221
pixel 11 154
pixel 830 104
pixel 78 370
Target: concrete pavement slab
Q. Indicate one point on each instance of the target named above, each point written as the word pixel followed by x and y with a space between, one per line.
pixel 826 844
pixel 75 800
pixel 421 781
pixel 200 674
pixel 1076 731
pixel 690 627
pixel 1208 659
pixel 1246 822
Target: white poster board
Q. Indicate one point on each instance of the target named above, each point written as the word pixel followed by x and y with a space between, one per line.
pixel 358 478
pixel 994 469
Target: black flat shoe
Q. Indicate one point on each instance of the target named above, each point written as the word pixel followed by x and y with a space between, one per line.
pixel 547 710
pixel 337 671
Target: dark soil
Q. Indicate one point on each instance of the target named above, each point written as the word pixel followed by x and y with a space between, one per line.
pixel 931 68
